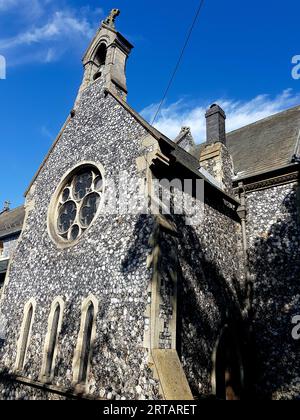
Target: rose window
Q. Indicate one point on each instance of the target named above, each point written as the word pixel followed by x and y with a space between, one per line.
pixel 77 203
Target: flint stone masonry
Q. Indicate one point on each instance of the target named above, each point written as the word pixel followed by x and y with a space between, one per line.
pixel 205 263
pixel 175 302
pixel 216 159
pixel 212 289
pixel 274 263
pixel 109 262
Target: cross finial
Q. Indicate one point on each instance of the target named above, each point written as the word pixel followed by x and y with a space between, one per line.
pixel 110 20
pixel 6 207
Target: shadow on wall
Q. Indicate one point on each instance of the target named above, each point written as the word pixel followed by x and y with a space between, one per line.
pixel 274 261
pixel 207 302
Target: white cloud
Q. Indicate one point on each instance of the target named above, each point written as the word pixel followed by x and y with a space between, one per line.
pixel 239 113
pixel 47 133
pixel 62 25
pixel 8 4
pixel 27 8
pixel 45 42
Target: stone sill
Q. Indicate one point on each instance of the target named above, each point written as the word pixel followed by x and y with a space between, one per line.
pixel 64 392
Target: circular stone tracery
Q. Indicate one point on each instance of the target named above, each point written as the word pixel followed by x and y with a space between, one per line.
pixel 78 202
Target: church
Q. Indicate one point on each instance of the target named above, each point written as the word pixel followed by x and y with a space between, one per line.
pixel 111 301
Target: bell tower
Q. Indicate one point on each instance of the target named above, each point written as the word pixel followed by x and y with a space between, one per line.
pixel 106 58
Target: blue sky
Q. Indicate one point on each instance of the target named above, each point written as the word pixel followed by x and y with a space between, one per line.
pixel 239 55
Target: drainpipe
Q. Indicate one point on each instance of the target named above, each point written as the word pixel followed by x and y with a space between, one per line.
pixel 242 212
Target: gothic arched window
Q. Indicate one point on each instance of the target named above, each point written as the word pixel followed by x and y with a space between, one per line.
pixel 25 335
pixel 86 344
pixel 54 327
pixel 85 340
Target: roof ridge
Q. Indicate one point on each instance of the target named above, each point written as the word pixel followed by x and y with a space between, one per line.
pixel 270 117
pixel 17 208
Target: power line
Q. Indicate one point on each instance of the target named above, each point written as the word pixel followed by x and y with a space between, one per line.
pixel 179 60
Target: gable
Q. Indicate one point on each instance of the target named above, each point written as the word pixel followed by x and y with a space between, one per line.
pixel 11 222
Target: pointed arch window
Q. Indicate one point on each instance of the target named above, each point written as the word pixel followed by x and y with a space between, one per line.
pixel 85 341
pixel 54 328
pixel 52 341
pixel 25 335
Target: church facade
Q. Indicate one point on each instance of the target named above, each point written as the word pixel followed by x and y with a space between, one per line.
pixel 112 297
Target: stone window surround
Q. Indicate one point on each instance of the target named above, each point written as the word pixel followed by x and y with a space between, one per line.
pixel 61 303
pixel 77 359
pixel 28 305
pixel 52 211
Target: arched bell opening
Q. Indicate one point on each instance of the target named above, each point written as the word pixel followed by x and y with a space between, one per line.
pixel 100 60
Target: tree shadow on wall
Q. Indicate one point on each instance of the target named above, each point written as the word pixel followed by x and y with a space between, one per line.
pixel 274 262
pixel 207 301
pixel 7 380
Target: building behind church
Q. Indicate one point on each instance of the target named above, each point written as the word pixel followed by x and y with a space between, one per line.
pixel 11 222
pixel 155 304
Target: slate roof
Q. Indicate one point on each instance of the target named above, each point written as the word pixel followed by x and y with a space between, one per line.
pixel 11 222
pixel 265 145
pixel 188 160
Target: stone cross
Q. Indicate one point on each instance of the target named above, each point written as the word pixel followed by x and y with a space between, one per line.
pixel 6 205
pixel 110 20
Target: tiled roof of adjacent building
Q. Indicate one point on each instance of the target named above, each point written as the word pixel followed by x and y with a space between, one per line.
pixel 11 221
pixel 265 145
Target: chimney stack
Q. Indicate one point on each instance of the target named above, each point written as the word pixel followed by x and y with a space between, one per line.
pixel 215 125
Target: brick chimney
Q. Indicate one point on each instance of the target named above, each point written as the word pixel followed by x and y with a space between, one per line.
pixel 215 125
pixel 214 156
